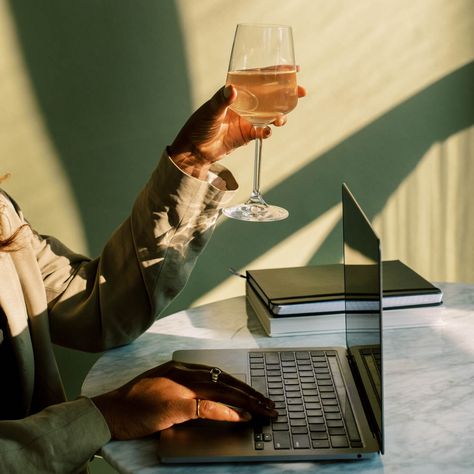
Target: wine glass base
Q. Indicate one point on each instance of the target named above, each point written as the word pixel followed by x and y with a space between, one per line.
pixel 256 212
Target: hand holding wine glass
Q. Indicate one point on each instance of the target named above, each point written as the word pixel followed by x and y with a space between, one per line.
pixel 262 68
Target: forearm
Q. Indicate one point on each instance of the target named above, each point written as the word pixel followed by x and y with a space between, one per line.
pixel 60 439
pixel 112 300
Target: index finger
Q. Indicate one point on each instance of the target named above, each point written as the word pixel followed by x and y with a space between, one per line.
pixel 200 373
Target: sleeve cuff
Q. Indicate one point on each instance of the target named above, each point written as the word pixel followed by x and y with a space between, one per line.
pixel 218 177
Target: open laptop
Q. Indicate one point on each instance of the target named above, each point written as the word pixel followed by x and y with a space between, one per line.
pixel 329 399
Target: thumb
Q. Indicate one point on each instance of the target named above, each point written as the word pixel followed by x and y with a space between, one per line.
pixel 223 98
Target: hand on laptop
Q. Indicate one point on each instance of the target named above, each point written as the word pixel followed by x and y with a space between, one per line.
pixel 214 131
pixel 176 392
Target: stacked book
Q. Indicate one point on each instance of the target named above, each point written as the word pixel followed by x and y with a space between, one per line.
pixel 310 299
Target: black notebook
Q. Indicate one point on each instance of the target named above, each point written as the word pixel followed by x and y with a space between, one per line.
pixel 320 288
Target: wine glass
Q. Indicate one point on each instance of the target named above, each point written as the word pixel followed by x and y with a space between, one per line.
pixel 262 69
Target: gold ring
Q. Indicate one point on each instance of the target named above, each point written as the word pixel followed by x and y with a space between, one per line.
pixel 198 407
pixel 215 372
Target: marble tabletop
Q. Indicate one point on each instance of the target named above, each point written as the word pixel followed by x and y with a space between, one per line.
pixel 428 383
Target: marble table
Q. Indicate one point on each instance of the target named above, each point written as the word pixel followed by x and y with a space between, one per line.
pixel 429 386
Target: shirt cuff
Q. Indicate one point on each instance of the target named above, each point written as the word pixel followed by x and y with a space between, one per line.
pixel 218 177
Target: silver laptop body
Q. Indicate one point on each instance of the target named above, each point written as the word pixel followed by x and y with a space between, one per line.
pixel 329 399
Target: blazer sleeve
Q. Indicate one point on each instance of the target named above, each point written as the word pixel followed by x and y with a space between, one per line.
pixel 109 301
pixel 61 438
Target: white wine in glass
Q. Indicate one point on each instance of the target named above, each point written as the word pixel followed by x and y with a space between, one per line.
pixel 262 68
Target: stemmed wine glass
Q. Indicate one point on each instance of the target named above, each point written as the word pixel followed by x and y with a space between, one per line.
pixel 262 68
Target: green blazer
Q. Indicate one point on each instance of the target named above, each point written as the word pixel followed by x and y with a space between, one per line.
pixel 50 294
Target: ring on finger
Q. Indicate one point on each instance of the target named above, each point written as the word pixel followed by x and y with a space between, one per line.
pixel 215 372
pixel 198 408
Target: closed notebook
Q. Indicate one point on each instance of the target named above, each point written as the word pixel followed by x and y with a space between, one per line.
pixel 320 288
pixel 322 323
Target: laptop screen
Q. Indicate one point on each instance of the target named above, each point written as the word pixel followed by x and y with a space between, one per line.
pixel 362 281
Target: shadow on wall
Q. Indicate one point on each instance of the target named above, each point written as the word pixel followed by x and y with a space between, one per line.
pixel 110 119
pixel 373 161
pixel 110 79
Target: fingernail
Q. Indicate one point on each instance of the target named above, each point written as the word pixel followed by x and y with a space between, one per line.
pixel 227 91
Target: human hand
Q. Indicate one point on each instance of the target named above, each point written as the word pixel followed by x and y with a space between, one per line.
pixel 214 131
pixel 176 392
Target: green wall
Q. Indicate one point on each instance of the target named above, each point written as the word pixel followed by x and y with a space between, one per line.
pixel 113 86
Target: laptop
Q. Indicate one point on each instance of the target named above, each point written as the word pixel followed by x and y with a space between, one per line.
pixel 329 399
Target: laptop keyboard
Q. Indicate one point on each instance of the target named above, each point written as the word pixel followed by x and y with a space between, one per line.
pixel 307 389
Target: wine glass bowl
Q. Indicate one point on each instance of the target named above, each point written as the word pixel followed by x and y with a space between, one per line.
pixel 264 94
pixel 263 71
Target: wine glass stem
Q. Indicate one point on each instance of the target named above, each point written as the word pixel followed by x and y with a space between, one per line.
pixel 256 196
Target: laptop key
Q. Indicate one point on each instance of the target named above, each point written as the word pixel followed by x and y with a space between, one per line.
pixel 323 376
pixel 281 440
pixel 287 356
pixel 320 443
pixel 299 429
pixel 278 399
pixel 259 384
pixel 272 358
pixel 311 399
pixel 259 445
pixel 280 427
pixel 315 419
pixel 274 391
pixel 335 423
pixel 296 407
pixel 302 355
pixel 301 441
pixel 327 395
pixel 336 431
pixel 332 416
pixel 313 406
pixel 314 412
pixel 317 427
pixel 294 401
pixel 274 378
pixel 319 435
pixel 322 382
pixel 339 442
pixel 298 422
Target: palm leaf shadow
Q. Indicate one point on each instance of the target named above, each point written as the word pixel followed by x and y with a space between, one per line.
pixel 373 161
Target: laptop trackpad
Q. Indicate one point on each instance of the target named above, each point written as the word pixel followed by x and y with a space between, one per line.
pixel 205 440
